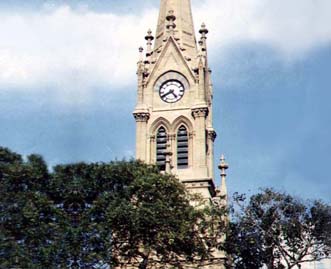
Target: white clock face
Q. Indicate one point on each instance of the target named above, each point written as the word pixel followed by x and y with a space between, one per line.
pixel 171 91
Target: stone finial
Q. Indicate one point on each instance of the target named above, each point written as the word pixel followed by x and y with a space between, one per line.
pixel 149 36
pixel 223 166
pixel 203 31
pixel 202 42
pixel 141 57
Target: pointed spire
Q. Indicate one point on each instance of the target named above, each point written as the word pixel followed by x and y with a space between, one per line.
pixel 176 16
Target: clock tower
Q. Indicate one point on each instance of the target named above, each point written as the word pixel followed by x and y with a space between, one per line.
pixel 174 112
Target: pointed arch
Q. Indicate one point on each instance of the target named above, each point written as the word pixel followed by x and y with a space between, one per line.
pixel 183 127
pixel 159 130
pixel 180 121
pixel 158 123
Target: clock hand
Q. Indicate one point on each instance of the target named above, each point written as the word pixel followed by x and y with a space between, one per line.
pixel 166 94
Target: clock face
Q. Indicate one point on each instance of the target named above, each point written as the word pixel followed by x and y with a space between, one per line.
pixel 171 91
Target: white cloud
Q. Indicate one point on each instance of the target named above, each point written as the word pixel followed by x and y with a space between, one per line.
pixel 293 27
pixel 78 50
pixel 69 49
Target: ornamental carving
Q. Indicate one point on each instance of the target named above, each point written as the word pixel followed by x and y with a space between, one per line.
pixel 218 202
pixel 191 134
pixel 200 112
pixel 141 116
pixel 212 135
pixel 172 136
pixel 152 138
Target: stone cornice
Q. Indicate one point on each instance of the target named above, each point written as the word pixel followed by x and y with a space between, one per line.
pixel 200 112
pixel 141 116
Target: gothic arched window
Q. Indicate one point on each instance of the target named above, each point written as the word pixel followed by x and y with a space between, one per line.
pixel 182 147
pixel 161 147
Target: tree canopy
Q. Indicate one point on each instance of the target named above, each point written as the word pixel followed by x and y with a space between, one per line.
pixel 101 215
pixel 95 215
pixel 278 230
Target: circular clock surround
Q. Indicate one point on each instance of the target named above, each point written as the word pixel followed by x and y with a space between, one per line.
pixel 178 83
pixel 171 91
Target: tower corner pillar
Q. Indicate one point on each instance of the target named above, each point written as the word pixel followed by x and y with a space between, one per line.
pixel 141 117
pixel 200 159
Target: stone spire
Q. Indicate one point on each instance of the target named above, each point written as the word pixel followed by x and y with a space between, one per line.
pixel 176 18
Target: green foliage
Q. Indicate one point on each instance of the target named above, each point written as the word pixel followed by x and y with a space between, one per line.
pixel 9 157
pixel 93 215
pixel 29 220
pixel 279 231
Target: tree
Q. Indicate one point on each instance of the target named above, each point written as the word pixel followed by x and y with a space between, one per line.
pixel 28 219
pixel 127 212
pixel 279 231
pixel 98 215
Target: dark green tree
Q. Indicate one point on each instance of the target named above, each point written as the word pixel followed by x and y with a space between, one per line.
pixel 126 212
pixel 99 215
pixel 279 231
pixel 29 222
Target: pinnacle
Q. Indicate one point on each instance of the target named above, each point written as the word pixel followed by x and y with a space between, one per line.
pixel 223 166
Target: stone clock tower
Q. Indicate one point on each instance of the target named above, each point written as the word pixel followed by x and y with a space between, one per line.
pixel 174 127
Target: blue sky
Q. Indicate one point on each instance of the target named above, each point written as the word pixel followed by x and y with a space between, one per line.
pixel 67 84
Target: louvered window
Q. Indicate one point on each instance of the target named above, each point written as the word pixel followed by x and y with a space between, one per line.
pixel 161 147
pixel 182 147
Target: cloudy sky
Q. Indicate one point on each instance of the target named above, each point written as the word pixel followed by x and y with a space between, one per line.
pixel 68 85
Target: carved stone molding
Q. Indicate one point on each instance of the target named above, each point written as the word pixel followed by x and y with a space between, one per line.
pixel 172 137
pixel 191 134
pixel 152 138
pixel 211 135
pixel 141 116
pixel 218 202
pixel 200 112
